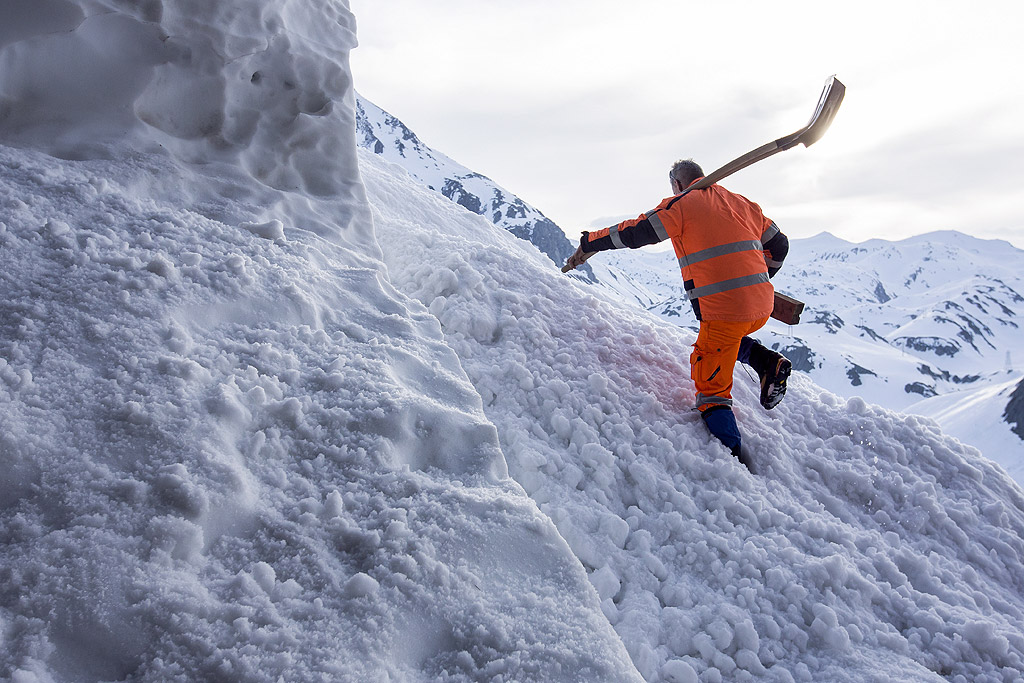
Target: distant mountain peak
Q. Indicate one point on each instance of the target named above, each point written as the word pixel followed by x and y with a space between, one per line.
pixel 385 135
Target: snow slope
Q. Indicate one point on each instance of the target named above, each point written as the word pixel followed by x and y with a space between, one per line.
pixel 231 449
pixel 980 416
pixel 248 435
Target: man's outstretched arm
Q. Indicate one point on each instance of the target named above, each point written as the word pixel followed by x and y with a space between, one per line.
pixel 631 234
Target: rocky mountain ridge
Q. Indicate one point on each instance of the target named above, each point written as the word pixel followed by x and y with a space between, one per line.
pixel 387 136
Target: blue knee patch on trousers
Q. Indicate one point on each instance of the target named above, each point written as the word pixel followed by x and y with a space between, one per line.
pixel 722 424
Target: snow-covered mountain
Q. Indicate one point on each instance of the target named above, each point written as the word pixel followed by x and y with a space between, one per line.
pixel 271 410
pixel 383 134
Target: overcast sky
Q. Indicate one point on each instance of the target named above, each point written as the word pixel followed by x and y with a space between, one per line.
pixel 580 106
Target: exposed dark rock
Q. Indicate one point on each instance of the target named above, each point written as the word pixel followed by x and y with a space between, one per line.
pixel 871 333
pixel 1014 414
pixel 881 294
pixel 832 322
pixel 946 376
pixel 549 238
pixel 802 358
pixel 454 190
pixel 925 390
pixel 855 372
pixel 940 347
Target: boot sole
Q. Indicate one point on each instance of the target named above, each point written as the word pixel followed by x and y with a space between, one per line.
pixel 776 389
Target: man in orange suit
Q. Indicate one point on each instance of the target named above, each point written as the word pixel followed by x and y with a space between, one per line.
pixel 728 251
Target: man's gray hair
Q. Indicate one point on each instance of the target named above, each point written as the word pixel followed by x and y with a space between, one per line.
pixel 686 171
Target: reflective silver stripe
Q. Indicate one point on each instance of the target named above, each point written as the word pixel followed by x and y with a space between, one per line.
pixel 773 264
pixel 721 250
pixel 703 400
pixel 659 227
pixel 613 232
pixel 726 285
pixel 771 232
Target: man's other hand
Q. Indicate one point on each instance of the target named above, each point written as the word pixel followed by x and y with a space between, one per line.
pixel 577 259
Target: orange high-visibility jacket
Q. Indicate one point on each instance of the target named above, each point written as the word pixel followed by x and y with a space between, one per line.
pixel 721 240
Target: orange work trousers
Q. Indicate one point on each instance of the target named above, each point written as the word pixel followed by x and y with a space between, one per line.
pixel 714 359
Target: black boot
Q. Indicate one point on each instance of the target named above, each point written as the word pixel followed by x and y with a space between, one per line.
pixel 771 367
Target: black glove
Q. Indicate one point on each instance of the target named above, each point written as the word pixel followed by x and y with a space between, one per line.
pixel 579 257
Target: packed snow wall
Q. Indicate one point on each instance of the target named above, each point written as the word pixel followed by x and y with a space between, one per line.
pixel 261 86
pixel 231 450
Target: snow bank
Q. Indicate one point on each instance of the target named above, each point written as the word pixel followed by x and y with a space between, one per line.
pixel 231 450
pixel 254 89
pixel 869 547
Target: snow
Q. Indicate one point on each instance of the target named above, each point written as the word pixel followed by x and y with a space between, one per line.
pixel 232 450
pixel 976 417
pixel 270 410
